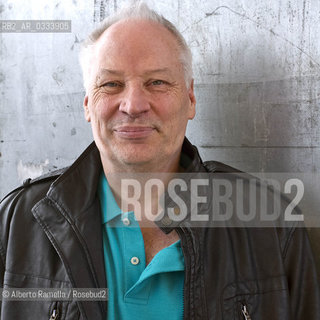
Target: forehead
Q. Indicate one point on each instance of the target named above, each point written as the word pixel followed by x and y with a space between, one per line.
pixel 135 43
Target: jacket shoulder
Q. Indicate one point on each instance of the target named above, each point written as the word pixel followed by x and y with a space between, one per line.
pixel 216 166
pixel 284 229
pixel 41 181
pixel 21 200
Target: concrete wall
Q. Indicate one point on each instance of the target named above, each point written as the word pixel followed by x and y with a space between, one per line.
pixel 256 66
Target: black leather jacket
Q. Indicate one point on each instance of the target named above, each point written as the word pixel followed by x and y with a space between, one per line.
pixel 51 237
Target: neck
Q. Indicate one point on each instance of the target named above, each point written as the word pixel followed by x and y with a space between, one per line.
pixel 128 184
pixel 111 167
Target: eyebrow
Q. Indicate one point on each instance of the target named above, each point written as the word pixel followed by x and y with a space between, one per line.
pixel 119 72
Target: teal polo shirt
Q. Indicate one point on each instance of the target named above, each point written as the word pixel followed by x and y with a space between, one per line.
pixel 137 291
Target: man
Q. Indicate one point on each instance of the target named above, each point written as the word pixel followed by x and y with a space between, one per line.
pixel 69 229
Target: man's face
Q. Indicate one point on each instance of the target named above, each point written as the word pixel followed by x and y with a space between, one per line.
pixel 138 102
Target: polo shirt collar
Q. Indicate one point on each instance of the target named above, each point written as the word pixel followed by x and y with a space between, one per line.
pixel 110 207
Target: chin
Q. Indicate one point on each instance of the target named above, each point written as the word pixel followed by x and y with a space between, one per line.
pixel 136 158
pixel 133 154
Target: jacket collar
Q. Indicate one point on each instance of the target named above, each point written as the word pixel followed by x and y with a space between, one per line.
pixel 78 183
pixel 191 151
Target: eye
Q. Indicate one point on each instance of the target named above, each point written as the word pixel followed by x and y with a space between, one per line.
pixel 110 84
pixel 157 82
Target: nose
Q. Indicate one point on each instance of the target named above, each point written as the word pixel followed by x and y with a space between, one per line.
pixel 134 102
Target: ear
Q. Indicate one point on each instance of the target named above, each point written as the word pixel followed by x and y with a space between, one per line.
pixel 86 108
pixel 192 99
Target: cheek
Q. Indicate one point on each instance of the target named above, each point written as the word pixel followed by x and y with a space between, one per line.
pixel 101 106
pixel 173 109
pixel 98 97
pixel 177 118
pixel 166 106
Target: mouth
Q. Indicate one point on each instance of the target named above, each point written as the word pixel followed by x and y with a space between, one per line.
pixel 134 132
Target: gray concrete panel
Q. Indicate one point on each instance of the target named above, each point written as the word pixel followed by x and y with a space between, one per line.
pixel 256 69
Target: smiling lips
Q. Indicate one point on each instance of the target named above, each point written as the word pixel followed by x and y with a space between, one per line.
pixel 134 132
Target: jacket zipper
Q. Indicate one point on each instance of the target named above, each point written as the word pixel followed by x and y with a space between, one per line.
pixel 183 302
pixel 183 233
pixel 245 312
pixel 54 313
pixel 179 234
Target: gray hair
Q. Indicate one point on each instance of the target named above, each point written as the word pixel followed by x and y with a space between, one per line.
pixel 138 10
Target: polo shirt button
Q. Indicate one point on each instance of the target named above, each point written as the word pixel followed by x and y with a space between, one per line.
pixel 126 221
pixel 176 211
pixel 134 260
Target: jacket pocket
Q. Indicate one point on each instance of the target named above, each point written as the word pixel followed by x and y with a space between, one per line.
pixel 256 300
pixel 36 307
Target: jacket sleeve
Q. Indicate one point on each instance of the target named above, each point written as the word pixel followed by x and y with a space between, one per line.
pixel 6 211
pixel 25 199
pixel 302 276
